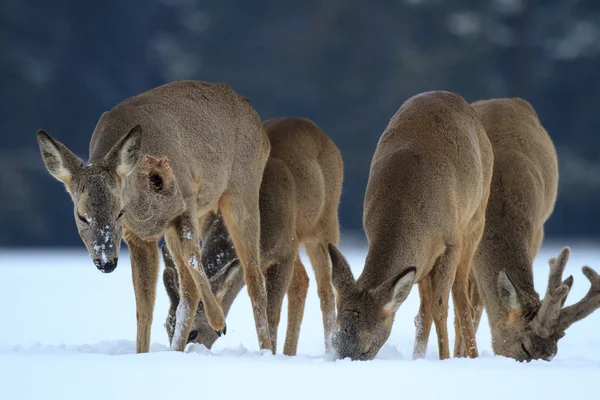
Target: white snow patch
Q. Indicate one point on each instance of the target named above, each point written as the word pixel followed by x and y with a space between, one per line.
pixel 186 234
pixel 193 261
pixel 101 251
pixel 89 352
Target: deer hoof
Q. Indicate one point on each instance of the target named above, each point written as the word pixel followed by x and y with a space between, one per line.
pixel 221 332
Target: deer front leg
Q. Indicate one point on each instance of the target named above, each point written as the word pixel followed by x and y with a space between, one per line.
pixel 144 267
pixel 442 277
pixel 462 304
pixel 242 219
pixel 183 243
pixel 424 319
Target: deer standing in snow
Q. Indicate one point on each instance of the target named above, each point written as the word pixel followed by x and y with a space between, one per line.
pixel 424 215
pixel 522 197
pixel 158 163
pixel 299 199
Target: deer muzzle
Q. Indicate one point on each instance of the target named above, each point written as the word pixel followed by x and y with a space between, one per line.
pixel 106 266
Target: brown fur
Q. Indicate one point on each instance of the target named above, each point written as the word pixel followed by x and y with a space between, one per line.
pixel 522 197
pixel 194 147
pixel 423 215
pixel 299 200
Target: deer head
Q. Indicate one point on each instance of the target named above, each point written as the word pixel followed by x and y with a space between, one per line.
pixel 225 284
pixel 96 192
pixel 365 316
pixel 534 334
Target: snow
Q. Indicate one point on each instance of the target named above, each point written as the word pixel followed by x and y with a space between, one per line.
pixel 69 333
pixel 193 261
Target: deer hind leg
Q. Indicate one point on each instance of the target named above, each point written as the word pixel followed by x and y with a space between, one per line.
pixel 477 306
pixel 463 309
pixel 424 319
pixel 297 291
pixel 442 277
pixel 144 268
pixel 242 219
pixel 183 244
pixel 319 258
pixel 278 278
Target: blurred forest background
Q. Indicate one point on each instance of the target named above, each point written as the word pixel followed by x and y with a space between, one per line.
pixel 347 65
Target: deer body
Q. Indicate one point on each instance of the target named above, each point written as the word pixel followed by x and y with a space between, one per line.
pixel 194 147
pixel 423 215
pixel 522 197
pixel 299 199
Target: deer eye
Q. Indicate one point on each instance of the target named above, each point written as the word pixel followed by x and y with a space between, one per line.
pixel 83 219
pixel 120 214
pixel 193 335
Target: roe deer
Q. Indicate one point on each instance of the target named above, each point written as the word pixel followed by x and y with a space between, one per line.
pixel 424 214
pixel 299 199
pixel 522 197
pixel 202 147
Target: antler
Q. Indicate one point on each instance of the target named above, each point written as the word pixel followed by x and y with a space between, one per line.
pixel 547 317
pixel 584 307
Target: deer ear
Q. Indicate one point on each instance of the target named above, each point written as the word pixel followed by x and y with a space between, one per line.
pixel 124 155
pixel 158 173
pixel 395 290
pixel 341 275
pixel 60 161
pixel 225 280
pixel 507 293
pixel 170 278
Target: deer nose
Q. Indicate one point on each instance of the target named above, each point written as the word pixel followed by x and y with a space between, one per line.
pixel 106 266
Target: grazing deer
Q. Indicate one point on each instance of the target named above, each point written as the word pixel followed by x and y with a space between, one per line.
pixel 299 200
pixel 424 215
pixel 522 197
pixel 202 147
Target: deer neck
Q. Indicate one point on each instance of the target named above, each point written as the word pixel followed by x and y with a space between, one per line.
pixel 387 257
pixel 494 256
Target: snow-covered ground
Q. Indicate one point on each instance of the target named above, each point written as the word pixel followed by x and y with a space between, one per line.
pixel 68 332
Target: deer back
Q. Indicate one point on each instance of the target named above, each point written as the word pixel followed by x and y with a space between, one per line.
pixel 428 177
pixel 303 178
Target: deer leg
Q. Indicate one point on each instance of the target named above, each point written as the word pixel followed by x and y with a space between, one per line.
pixel 424 319
pixel 297 291
pixel 242 219
pixel 442 277
pixel 144 268
pixel 183 243
pixel 476 303
pixel 463 310
pixel 319 258
pixel 477 307
pixel 277 278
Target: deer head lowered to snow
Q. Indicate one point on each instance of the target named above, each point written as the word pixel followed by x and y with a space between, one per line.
pixel 159 162
pixel 522 197
pixel 424 215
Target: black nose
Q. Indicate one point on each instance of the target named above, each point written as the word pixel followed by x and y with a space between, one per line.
pixel 107 266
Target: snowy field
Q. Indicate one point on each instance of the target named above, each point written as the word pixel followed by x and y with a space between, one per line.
pixel 68 332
